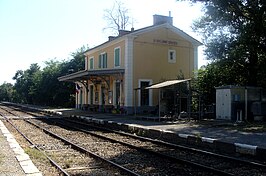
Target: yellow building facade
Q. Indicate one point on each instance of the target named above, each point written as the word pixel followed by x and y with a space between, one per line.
pixel 117 70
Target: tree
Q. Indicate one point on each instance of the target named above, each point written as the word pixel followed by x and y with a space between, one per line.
pixel 218 73
pixel 117 17
pixel 41 86
pixel 66 90
pixel 6 91
pixel 235 31
pixel 78 61
pixel 24 85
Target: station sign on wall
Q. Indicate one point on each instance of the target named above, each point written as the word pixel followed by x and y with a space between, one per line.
pixel 165 42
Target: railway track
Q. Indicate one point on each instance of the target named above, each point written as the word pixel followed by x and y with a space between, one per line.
pixel 67 157
pixel 144 164
pixel 197 158
pixel 205 162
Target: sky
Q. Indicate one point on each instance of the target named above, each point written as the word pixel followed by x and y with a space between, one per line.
pixel 35 31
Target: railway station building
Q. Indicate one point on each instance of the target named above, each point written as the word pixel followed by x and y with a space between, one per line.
pixel 117 71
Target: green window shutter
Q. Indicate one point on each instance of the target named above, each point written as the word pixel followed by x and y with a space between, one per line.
pixel 91 63
pixel 117 57
pixel 100 61
pixel 105 60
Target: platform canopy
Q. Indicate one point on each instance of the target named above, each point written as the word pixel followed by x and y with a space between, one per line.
pixel 87 74
pixel 166 84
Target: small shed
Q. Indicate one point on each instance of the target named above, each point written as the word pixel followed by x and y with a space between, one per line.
pixel 164 85
pixel 237 103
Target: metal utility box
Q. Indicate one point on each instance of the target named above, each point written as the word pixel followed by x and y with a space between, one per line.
pixel 236 103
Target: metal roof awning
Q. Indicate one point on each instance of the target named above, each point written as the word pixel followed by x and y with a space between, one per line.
pixel 86 74
pixel 166 83
pixel 162 85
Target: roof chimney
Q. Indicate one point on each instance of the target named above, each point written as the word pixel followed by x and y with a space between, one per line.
pixel 110 38
pixel 160 19
pixel 123 32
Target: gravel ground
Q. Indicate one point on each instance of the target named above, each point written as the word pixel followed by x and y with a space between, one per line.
pixel 38 159
pixel 135 160
pixel 9 165
pixel 66 157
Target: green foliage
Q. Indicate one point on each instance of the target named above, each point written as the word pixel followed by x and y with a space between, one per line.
pixel 41 87
pixel 236 31
pixel 24 83
pixel 218 74
pixel 6 91
pixel 36 154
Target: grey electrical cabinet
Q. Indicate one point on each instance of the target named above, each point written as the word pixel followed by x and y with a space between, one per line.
pixel 237 103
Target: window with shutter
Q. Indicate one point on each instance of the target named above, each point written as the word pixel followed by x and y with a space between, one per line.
pixel 117 57
pixel 103 60
pixel 91 63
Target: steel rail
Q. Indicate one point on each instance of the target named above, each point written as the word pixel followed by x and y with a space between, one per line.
pixel 35 146
pixel 175 146
pixel 9 111
pixel 79 148
pixel 83 150
pixel 219 172
pixel 20 110
pixel 160 142
pixel 206 168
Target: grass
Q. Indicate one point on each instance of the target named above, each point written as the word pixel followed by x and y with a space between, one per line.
pixel 255 127
pixel 35 154
pixel 1 158
pixel 252 127
pixel 1 155
pixel 68 163
pixel 198 135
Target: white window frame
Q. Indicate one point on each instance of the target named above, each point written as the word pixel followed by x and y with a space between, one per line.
pixel 172 60
pixel 119 56
pixel 102 59
pixel 91 58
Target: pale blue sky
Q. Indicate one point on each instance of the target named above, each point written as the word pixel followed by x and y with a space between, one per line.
pixel 34 31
